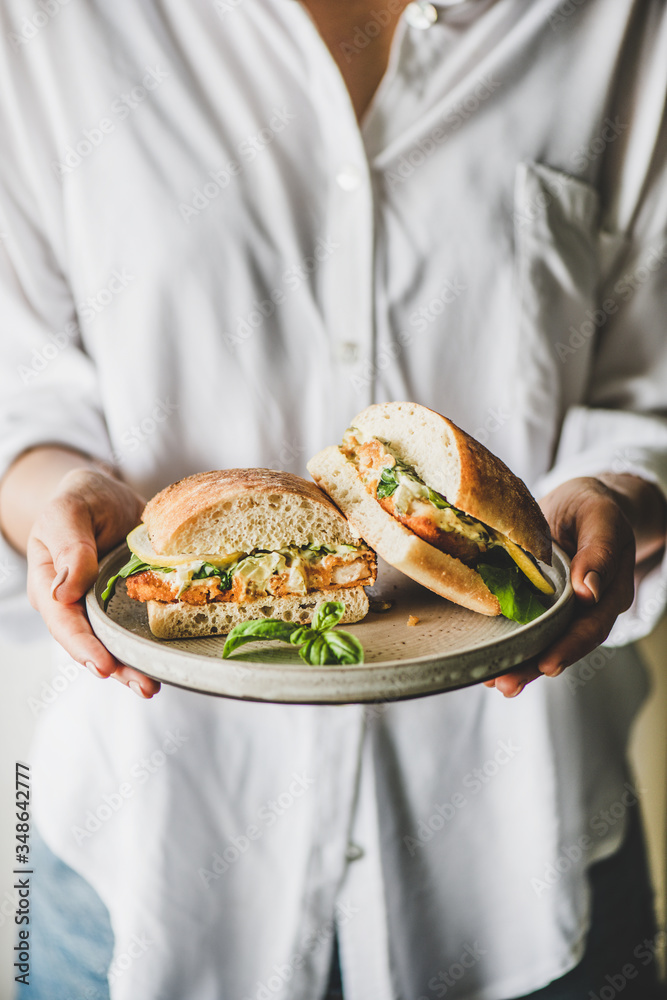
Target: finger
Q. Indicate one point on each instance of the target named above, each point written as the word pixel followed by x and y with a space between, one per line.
pixel 512 683
pixel 67 623
pixel 68 545
pixel 602 541
pixel 593 625
pixel 143 686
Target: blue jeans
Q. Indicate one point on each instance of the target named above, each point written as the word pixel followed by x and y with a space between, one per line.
pixel 71 942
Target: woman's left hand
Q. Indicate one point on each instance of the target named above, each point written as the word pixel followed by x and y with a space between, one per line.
pixel 592 520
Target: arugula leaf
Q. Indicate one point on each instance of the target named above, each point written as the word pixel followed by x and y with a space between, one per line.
pixel 388 483
pixel 264 628
pixel 208 570
pixel 516 594
pixel 327 614
pixel 437 500
pixel 133 566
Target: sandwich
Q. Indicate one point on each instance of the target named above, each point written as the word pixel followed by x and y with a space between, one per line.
pixel 220 548
pixel 437 505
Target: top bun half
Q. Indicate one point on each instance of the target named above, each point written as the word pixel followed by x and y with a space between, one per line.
pixel 237 510
pixel 460 468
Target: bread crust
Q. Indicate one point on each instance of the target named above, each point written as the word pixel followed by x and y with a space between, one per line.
pixel 183 621
pixel 397 545
pixel 459 467
pixel 173 517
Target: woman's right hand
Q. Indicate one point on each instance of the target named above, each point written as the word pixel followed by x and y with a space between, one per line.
pixel 89 513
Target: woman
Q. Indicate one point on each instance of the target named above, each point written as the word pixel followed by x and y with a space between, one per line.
pixel 228 228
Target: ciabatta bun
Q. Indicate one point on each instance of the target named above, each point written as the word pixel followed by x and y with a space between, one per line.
pixel 396 544
pixel 181 621
pixel 466 473
pixel 238 510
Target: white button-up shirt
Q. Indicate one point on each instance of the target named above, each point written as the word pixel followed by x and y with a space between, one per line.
pixel 206 262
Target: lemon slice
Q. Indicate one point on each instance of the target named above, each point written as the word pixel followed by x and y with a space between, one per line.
pixel 139 542
pixel 527 566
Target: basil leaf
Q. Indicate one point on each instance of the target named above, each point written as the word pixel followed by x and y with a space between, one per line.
pixel 264 628
pixel 343 647
pixel 388 483
pixel 516 594
pixel 302 634
pixel 133 566
pixel 327 614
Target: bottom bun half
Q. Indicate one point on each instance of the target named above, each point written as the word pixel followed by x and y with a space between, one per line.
pixel 400 547
pixel 181 621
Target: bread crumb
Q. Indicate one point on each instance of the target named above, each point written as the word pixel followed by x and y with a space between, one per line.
pixel 379 606
pixel 413 620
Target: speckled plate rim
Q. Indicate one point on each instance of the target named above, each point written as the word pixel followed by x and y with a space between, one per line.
pixel 296 683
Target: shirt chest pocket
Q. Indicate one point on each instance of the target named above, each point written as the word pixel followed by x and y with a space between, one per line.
pixel 561 257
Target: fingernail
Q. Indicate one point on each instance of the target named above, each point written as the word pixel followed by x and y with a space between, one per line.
pixel 518 690
pixel 58 580
pixel 592 581
pixel 93 669
pixel 555 672
pixel 136 687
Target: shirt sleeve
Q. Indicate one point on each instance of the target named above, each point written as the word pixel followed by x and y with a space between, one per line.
pixel 48 386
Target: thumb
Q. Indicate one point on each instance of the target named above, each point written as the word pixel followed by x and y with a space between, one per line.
pixel 68 537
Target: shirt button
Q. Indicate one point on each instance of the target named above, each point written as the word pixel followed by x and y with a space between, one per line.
pixel 420 14
pixel 348 177
pixel 347 351
pixel 354 852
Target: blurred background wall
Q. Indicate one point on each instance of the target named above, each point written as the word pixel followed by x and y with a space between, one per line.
pixel 25 676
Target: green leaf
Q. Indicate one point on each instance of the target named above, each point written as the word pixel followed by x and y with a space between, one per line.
pixel 264 628
pixel 437 500
pixel 318 644
pixel 343 647
pixel 131 568
pixel 388 483
pixel 517 596
pixel 208 569
pixel 302 634
pixel 327 614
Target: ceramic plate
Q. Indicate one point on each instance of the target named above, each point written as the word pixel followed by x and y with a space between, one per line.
pixel 449 647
